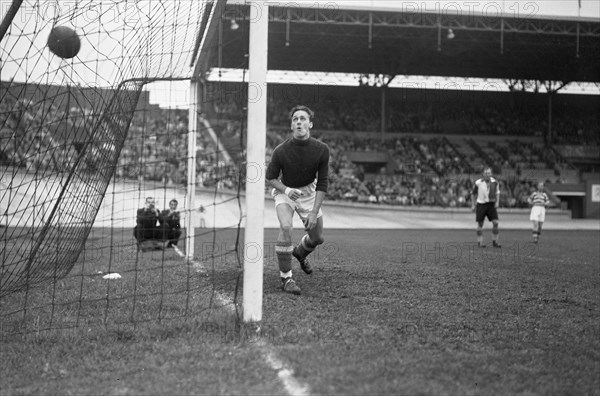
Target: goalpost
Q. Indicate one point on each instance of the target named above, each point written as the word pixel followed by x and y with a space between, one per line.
pixel 82 146
pixel 86 145
pixel 255 168
pixel 191 175
pixel 253 249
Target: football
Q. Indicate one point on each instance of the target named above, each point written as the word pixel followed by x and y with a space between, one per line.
pixel 64 42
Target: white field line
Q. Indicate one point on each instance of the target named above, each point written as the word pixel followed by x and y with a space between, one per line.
pixel 284 373
pixel 179 252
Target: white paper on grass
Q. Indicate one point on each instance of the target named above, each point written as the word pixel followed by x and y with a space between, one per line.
pixel 113 275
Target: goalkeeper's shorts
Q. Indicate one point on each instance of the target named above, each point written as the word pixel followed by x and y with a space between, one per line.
pixel 303 205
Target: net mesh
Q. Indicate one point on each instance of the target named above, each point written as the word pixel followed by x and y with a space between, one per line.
pixel 82 148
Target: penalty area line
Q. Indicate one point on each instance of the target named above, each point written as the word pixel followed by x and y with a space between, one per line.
pixel 285 374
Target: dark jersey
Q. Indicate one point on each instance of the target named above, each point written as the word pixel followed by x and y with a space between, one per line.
pixel 146 218
pixel 299 162
pixel 170 219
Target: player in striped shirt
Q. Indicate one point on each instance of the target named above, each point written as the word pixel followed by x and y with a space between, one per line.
pixel 539 201
pixel 484 202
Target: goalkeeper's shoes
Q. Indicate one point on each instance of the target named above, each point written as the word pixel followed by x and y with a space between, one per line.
pixel 304 263
pixel 289 286
pixel 496 244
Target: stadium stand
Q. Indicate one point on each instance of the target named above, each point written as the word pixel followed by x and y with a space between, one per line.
pixel 413 165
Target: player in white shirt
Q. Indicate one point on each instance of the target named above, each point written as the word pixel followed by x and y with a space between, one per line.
pixel 484 202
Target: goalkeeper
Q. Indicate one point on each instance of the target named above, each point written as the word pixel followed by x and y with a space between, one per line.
pixel 298 173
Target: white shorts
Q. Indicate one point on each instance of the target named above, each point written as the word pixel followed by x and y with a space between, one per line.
pixel 303 205
pixel 538 213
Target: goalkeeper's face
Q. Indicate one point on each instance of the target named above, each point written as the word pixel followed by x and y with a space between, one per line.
pixel 301 124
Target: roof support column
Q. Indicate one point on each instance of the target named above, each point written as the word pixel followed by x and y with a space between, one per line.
pixel 370 30
pixel 383 115
pixel 220 49
pixel 287 28
pixel 579 15
pixel 502 36
pixel 439 38
pixel 577 50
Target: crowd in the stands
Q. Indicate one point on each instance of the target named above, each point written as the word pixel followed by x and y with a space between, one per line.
pixel 421 169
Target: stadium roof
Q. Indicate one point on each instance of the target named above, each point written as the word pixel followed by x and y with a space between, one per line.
pixel 380 41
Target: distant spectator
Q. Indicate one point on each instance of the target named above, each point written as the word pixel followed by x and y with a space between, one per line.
pixel 169 220
pixel 146 228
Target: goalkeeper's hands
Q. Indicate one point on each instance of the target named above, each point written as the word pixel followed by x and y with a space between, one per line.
pixel 293 193
pixel 310 222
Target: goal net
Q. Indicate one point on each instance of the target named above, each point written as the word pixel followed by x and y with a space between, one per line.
pixel 84 142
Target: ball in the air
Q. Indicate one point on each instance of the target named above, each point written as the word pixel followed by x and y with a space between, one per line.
pixel 64 42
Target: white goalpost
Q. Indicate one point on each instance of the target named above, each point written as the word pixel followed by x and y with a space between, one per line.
pixel 190 196
pixel 255 162
pixel 253 249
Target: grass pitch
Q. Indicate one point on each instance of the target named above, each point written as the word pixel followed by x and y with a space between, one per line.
pixel 385 312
